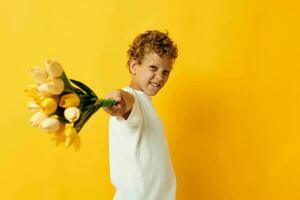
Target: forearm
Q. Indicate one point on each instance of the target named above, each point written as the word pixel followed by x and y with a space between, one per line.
pixel 129 101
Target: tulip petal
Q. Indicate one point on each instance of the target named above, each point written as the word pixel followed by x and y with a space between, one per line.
pixel 37 117
pixel 50 124
pixel 53 68
pixel 59 137
pixel 43 89
pixel 49 105
pixel 72 114
pixel 39 74
pixel 56 86
pixel 69 100
pixel 33 106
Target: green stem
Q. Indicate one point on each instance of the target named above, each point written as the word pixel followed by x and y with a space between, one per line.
pixel 91 110
pixel 84 118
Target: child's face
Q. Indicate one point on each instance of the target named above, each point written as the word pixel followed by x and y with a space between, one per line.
pixel 152 74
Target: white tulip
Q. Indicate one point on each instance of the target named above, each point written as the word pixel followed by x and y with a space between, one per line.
pixel 37 117
pixel 50 124
pixel 39 74
pixel 33 107
pixel 72 114
pixel 56 86
pixel 53 68
pixel 43 89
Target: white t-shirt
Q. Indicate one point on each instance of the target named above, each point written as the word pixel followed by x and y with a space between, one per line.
pixel 140 163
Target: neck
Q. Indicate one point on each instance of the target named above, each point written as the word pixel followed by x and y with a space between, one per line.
pixel 134 86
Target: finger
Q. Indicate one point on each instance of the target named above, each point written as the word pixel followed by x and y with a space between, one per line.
pixel 116 107
pixel 117 98
pixel 109 96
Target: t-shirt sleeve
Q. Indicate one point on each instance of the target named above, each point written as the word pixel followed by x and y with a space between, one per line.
pixel 135 117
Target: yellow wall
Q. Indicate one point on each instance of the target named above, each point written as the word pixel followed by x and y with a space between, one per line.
pixel 231 107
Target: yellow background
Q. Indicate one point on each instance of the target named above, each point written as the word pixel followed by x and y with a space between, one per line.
pixel 231 106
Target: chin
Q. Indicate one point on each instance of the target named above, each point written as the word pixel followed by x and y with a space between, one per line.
pixel 151 93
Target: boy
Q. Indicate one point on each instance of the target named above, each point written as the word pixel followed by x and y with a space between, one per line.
pixel 140 163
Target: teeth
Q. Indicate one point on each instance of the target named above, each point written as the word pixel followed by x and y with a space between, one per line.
pixel 154 84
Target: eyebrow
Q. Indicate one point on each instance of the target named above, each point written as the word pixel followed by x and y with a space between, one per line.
pixel 168 70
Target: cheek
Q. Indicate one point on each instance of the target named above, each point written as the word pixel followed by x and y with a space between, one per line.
pixel 147 74
pixel 166 78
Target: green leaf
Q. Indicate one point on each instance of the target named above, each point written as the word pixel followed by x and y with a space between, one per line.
pixel 78 91
pixel 66 81
pixel 68 86
pixel 84 87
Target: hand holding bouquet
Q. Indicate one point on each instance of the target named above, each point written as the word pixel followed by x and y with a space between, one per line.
pixel 58 107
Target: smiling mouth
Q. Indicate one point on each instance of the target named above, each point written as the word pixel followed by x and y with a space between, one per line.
pixel 155 84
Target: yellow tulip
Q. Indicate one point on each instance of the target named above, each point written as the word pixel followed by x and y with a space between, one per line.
pixel 72 114
pixel 43 90
pixel 68 141
pixel 50 124
pixel 39 100
pixel 37 117
pixel 33 106
pixel 70 133
pixel 48 105
pixel 69 100
pixel 31 91
pixel 55 86
pixel 39 74
pixel 76 142
pixel 53 68
pixel 59 137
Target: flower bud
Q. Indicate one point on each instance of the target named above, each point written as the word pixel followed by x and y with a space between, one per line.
pixel 39 74
pixel 49 105
pixel 50 124
pixel 56 86
pixel 37 117
pixel 72 114
pixel 69 100
pixel 53 68
pixel 33 106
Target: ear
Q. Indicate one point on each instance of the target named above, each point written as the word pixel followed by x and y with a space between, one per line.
pixel 132 66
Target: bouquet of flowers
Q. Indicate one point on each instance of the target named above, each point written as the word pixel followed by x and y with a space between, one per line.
pixel 59 107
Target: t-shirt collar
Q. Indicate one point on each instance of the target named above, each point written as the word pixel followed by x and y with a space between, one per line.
pixel 141 92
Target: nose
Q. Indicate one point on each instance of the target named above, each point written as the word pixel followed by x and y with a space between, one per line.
pixel 159 77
